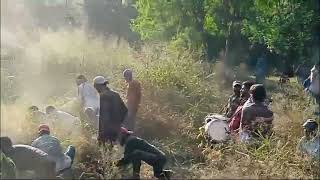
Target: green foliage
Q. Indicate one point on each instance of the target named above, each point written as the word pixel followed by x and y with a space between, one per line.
pixel 286 27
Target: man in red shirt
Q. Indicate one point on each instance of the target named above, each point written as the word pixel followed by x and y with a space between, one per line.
pixel 133 99
pixel 236 117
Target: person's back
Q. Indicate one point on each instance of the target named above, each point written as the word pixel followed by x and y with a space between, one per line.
pixel 23 155
pixel 49 144
pixel 64 118
pixel 88 96
pixel 310 147
pixel 30 158
pixel 112 107
pixel 256 117
pixel 134 94
pixel 112 114
pixel 253 112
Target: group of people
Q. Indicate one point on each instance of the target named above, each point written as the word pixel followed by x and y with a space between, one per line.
pixel 248 111
pixel 106 111
pixel 250 118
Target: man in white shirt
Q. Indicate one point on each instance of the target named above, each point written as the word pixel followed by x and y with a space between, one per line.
pixel 89 99
pixel 314 79
pixel 68 122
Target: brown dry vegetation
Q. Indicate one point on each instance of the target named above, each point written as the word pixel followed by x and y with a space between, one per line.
pixel 178 91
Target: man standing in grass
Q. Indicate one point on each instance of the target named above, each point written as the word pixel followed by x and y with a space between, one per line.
pixel 112 111
pixel 133 99
pixel 89 99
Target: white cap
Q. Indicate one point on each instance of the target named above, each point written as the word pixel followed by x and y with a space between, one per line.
pixel 99 80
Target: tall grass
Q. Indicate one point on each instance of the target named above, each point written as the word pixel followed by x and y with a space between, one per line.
pixel 178 91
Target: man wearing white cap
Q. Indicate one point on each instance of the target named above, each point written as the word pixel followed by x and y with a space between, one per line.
pixel 112 111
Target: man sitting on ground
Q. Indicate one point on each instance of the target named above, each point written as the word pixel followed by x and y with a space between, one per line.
pixel 234 100
pixel 256 118
pixel 89 99
pixel 52 146
pixel 137 150
pixel 309 144
pixel 236 117
pixel 29 158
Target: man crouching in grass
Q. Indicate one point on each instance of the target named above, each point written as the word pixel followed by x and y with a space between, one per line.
pixel 138 150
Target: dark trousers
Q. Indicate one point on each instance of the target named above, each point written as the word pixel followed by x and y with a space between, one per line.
pixel 71 152
pixel 157 161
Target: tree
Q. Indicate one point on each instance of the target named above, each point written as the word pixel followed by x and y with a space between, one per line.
pixel 286 27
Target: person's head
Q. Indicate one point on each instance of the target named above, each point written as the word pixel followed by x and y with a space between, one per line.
pixel 258 92
pixel 43 129
pixel 127 74
pixel 236 85
pixel 100 83
pixel 310 128
pixel 245 89
pixel 33 108
pixel 6 145
pixel 50 109
pixel 123 136
pixel 81 79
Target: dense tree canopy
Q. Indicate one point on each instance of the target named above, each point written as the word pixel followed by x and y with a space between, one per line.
pixel 286 28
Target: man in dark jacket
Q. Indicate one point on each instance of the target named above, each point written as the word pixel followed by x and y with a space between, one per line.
pixel 29 158
pixel 112 111
pixel 137 150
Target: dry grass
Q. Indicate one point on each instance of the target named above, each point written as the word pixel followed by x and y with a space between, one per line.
pixel 177 94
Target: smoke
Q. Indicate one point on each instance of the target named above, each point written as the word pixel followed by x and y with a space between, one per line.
pixel 30 74
pixel 40 65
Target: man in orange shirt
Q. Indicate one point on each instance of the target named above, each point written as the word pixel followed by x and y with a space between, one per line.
pixel 133 99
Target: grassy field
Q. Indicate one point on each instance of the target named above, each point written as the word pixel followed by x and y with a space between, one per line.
pixel 178 92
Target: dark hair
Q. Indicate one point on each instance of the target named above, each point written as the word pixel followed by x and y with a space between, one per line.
pixel 248 84
pixel 258 92
pixel 33 108
pixel 81 77
pixel 50 109
pixel 5 142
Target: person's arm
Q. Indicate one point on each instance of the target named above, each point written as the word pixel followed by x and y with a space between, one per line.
pixel 127 155
pixel 103 106
pixel 246 117
pixel 35 143
pixel 228 107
